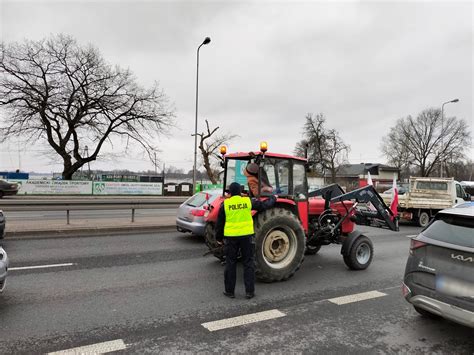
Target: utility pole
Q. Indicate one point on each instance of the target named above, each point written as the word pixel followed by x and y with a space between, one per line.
pixel 442 134
pixel 206 41
pixel 164 173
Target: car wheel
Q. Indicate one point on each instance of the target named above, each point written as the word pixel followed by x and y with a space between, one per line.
pixel 210 240
pixel 423 219
pixel 361 254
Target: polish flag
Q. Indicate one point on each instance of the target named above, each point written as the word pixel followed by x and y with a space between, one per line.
pixel 394 203
pixel 369 182
pixel 369 179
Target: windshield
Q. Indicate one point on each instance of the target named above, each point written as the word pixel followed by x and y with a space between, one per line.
pixel 275 176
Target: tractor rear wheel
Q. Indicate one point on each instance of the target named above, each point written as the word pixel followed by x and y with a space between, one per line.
pixel 360 255
pixel 279 245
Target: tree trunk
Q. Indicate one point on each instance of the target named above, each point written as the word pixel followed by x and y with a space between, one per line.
pixel 69 169
pixel 207 166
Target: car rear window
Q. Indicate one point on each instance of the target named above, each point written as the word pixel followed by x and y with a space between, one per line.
pixel 199 199
pixel 452 229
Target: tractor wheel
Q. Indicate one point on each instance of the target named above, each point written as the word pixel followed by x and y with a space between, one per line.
pixel 279 245
pixel 312 250
pixel 361 254
pixel 423 219
pixel 210 240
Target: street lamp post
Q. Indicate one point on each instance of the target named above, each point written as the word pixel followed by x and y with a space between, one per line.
pixel 206 41
pixel 442 133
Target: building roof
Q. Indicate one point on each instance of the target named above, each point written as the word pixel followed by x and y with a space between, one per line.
pixel 355 170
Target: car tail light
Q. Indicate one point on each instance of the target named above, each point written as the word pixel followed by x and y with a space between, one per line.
pixel 405 290
pixel 415 244
pixel 198 213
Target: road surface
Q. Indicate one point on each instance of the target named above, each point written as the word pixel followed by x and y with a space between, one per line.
pixel 148 293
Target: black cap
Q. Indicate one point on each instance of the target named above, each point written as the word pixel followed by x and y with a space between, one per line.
pixel 252 168
pixel 235 189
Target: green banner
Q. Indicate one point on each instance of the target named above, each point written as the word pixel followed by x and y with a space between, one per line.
pixel 204 187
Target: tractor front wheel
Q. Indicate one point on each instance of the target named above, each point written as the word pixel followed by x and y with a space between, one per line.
pixel 360 255
pixel 279 245
pixel 312 250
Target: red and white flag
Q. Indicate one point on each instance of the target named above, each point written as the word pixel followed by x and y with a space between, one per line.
pixel 394 203
pixel 369 179
pixel 369 182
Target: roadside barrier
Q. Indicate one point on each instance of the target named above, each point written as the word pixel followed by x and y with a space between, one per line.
pixel 103 204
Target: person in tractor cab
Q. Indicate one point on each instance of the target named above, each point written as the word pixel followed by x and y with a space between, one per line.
pixel 235 228
pixel 251 172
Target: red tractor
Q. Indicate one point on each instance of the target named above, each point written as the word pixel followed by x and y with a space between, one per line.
pixel 301 221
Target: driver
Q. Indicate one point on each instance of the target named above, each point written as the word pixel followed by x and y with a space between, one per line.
pixel 251 172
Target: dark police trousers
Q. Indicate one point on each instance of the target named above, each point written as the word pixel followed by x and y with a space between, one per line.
pixel 232 246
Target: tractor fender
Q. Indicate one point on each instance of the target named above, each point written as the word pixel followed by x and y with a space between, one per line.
pixel 351 238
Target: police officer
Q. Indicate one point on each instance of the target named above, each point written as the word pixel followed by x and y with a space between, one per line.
pixel 235 227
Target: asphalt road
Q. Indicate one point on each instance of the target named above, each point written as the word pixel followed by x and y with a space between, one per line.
pixel 149 293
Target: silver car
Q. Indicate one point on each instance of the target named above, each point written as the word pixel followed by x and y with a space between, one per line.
pixel 192 213
pixel 3 268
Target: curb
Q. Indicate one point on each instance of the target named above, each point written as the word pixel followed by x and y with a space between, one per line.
pixel 87 232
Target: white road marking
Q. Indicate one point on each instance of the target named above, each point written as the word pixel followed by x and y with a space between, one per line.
pixel 39 266
pixel 99 348
pixel 356 297
pixel 412 236
pixel 241 320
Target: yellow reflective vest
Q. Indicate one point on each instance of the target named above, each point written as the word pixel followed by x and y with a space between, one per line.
pixel 238 216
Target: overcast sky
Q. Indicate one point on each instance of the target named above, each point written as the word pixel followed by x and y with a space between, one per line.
pixel 362 64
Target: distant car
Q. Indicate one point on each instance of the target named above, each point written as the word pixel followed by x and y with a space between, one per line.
pixel 191 216
pixel 439 274
pixel 7 188
pixel 3 268
pixel 401 190
pixel 2 224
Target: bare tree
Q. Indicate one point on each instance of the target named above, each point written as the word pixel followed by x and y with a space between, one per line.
pixel 324 147
pixel 209 145
pixel 58 91
pixel 424 143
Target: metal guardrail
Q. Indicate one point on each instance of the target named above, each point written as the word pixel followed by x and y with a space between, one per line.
pixel 67 206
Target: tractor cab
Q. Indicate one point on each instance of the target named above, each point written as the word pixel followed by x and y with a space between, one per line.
pixel 274 174
pixel 277 174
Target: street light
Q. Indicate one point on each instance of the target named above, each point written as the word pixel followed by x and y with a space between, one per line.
pixel 206 41
pixel 442 132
